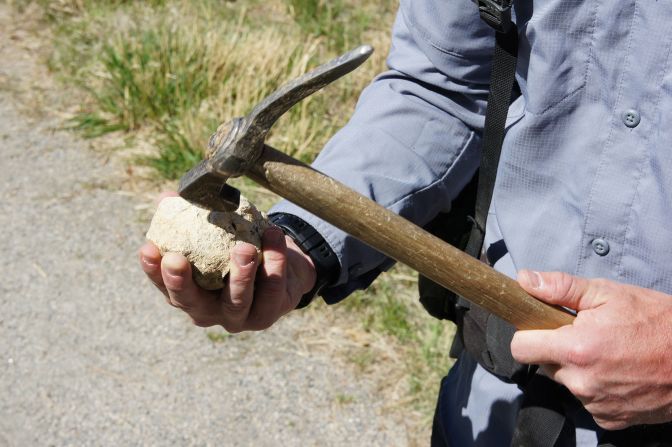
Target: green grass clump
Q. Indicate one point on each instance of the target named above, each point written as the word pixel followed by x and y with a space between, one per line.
pixel 340 24
pixel 390 306
pixel 171 70
pixel 176 154
pixel 148 78
pixel 155 76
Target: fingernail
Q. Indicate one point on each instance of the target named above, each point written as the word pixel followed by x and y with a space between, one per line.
pixel 243 259
pixel 172 264
pixel 536 281
pixel 149 262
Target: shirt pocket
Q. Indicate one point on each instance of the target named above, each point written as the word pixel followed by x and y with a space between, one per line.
pixel 555 45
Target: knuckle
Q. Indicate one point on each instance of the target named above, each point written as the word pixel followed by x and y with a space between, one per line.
pixel 602 283
pixel 176 284
pixel 580 387
pixel 232 328
pixel 580 354
pixel 564 278
pixel 234 307
pixel 604 287
pixel 565 286
pixel 272 284
pixel 603 423
pixel 176 288
pixel 260 324
pixel 274 256
pixel 576 387
pixel 202 322
pixel 242 277
pixel 292 301
pixel 273 267
pixel 611 425
pixel 183 306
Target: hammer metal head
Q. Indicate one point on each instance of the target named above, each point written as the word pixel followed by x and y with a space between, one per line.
pixel 206 189
pixel 237 145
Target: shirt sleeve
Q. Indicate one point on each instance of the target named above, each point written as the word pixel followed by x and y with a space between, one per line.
pixel 413 141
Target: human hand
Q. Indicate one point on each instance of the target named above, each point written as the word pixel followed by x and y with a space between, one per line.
pixel 615 357
pixel 256 294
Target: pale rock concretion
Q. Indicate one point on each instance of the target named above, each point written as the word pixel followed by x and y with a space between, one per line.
pixel 205 237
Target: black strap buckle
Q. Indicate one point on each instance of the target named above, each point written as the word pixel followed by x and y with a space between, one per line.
pixel 496 13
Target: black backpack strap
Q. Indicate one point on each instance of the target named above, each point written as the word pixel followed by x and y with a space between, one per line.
pixel 474 322
pixel 496 13
pixel 542 420
pixel 502 79
pixel 538 424
pixel 464 225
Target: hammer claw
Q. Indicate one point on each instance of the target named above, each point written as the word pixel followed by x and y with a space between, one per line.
pixel 267 112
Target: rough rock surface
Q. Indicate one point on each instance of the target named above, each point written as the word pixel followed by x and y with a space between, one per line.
pixel 205 237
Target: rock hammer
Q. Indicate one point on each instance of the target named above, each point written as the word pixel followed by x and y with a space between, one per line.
pixel 237 148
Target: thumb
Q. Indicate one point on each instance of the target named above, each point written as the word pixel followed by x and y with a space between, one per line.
pixel 561 289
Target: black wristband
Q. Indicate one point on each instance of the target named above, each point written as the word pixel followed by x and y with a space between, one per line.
pixel 313 244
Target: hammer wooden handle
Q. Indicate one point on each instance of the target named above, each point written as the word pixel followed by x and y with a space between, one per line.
pixel 404 241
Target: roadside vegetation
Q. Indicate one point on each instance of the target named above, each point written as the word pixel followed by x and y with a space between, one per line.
pixel 164 73
pixel 170 71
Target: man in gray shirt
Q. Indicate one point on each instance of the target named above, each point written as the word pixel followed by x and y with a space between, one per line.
pixel 583 187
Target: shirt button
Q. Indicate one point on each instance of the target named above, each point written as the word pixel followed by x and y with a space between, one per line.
pixel 631 118
pixel 600 246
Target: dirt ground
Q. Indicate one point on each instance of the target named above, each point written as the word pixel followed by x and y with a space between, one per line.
pixel 90 353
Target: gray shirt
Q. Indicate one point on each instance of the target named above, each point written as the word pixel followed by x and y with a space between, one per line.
pixel 585 179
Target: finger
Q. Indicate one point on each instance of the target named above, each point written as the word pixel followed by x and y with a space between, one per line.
pixel 300 279
pixel 576 381
pixel 238 294
pixel 183 293
pixel 608 422
pixel 273 271
pixel 568 376
pixel 562 289
pixel 150 260
pixel 271 300
pixel 538 347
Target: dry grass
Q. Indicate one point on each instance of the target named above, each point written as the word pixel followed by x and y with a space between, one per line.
pixel 161 75
pixel 170 71
pixel 394 339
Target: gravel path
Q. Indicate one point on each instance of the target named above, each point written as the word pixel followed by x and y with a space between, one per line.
pixel 91 355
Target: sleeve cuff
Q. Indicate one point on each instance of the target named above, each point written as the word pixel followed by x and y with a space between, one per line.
pixel 351 277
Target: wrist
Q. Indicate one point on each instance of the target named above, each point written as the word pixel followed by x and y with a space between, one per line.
pixel 302 267
pixel 320 255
